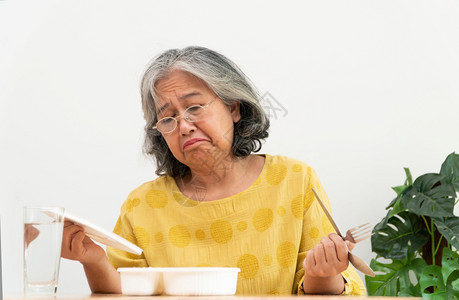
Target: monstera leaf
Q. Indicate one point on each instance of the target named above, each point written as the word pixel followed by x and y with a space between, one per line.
pixel 444 281
pixel 450 263
pixel 431 277
pixel 393 279
pixel 396 236
pixel 452 286
pixel 449 229
pixel 450 169
pixel 429 198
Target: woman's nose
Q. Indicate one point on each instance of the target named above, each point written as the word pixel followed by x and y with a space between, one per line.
pixel 186 127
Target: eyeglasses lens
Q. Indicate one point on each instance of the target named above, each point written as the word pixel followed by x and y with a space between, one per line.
pixel 191 114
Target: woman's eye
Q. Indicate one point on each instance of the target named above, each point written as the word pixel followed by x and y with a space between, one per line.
pixel 194 109
pixel 167 120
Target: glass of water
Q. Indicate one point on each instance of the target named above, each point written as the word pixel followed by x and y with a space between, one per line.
pixel 43 227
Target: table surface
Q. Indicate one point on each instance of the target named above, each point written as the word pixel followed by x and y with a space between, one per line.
pixel 124 297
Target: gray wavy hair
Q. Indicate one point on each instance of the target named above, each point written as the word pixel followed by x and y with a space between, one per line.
pixel 226 80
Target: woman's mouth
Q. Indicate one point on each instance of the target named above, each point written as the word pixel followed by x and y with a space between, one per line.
pixel 192 142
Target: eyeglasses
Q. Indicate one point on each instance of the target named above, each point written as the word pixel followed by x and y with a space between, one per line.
pixel 191 114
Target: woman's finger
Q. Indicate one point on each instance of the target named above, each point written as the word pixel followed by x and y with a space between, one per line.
pixel 330 251
pixel 67 223
pixel 341 248
pixel 68 235
pixel 350 245
pixel 308 261
pixel 77 243
pixel 319 255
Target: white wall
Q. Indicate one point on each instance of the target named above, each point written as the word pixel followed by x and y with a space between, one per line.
pixel 370 87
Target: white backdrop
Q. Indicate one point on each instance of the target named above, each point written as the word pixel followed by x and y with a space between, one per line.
pixel 369 87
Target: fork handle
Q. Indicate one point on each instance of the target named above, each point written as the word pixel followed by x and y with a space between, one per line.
pixel 360 265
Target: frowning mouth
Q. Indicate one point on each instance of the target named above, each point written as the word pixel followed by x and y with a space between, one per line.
pixel 191 142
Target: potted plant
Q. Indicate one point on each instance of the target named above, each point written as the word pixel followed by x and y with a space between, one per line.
pixel 417 242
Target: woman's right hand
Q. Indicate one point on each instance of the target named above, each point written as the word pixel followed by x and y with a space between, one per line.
pixel 77 246
pixel 102 276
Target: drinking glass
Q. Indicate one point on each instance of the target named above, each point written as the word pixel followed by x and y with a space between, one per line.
pixel 43 227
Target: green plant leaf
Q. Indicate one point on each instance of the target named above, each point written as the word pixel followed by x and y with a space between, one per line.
pixel 431 276
pixel 396 203
pixel 444 279
pixel 452 286
pixel 392 203
pixel 393 278
pixel 449 229
pixel 398 208
pixel 395 237
pixel 426 182
pixel 409 178
pixel 399 189
pixel 450 263
pixel 450 169
pixel 411 291
pixel 429 198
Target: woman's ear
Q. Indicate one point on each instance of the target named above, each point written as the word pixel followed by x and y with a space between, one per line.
pixel 235 110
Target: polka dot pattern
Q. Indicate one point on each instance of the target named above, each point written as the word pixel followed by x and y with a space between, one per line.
pixel 242 226
pixel 262 219
pixel 131 203
pixel 286 254
pixel 308 203
pixel 221 231
pixel 297 206
pixel 267 260
pixel 276 173
pixel 313 232
pixel 159 237
pixel 248 263
pixel 142 236
pixel 297 168
pixel 200 234
pixel 156 198
pixel 130 238
pixel 179 236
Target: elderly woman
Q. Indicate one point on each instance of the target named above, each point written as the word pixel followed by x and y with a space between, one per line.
pixel 215 202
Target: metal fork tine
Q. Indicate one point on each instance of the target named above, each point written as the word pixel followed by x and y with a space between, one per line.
pixel 359 239
pixel 361 232
pixel 361 227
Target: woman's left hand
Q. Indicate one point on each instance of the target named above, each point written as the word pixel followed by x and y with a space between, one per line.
pixel 323 265
pixel 328 258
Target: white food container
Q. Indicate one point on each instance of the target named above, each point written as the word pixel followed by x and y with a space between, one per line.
pixel 141 281
pixel 200 281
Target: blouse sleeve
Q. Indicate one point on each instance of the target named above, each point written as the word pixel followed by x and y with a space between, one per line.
pixel 120 258
pixel 316 226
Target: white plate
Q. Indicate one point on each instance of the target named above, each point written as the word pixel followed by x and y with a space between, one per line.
pixel 103 236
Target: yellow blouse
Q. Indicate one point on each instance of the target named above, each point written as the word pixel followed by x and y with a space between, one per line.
pixel 264 230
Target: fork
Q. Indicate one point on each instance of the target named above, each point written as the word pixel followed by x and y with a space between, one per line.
pixel 359 233
pixel 358 263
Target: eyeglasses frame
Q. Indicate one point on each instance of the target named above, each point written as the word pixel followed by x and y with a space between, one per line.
pixel 182 115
